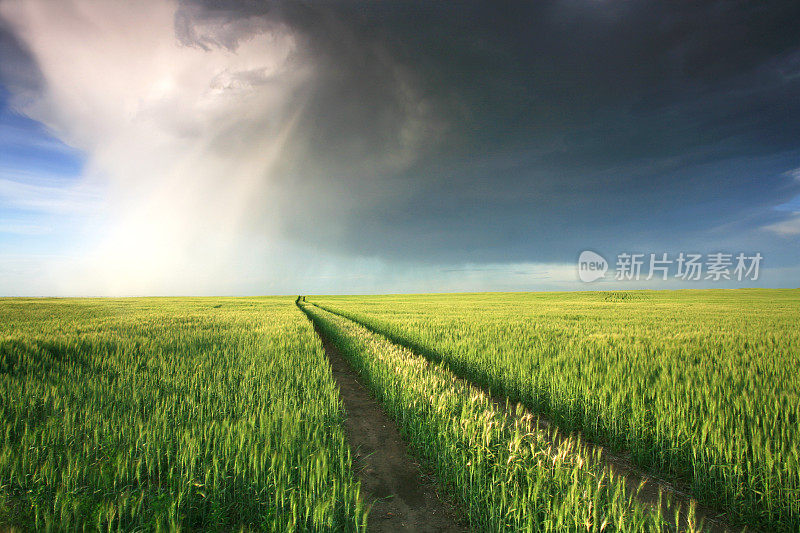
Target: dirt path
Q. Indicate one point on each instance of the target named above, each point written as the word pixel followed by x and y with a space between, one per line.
pixel 650 487
pixel 405 498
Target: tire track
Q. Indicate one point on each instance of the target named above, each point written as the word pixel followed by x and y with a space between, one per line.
pixel 675 502
pixel 402 495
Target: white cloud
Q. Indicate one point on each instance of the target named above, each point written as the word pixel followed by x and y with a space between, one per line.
pixel 794 173
pixel 15 228
pixel 180 139
pixel 786 228
pixel 50 195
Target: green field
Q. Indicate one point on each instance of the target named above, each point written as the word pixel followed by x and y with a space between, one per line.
pixel 507 475
pixel 223 414
pixel 701 386
pixel 147 414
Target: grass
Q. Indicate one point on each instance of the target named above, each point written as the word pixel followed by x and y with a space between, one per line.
pixel 222 414
pixel 165 414
pixel 505 472
pixel 700 386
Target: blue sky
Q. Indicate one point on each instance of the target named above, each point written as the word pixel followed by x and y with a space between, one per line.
pixel 194 148
pixel 37 171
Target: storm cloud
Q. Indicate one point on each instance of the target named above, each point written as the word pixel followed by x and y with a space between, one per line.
pixel 519 131
pixel 424 133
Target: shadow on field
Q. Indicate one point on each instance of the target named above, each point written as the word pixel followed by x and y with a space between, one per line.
pixel 18 357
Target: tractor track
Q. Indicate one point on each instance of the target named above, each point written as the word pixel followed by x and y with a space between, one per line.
pixel 648 488
pixel 403 495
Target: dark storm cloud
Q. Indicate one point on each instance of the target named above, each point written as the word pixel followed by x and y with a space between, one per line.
pixel 18 71
pixel 510 131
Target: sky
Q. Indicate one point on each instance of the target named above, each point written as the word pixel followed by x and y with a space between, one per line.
pixel 205 147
